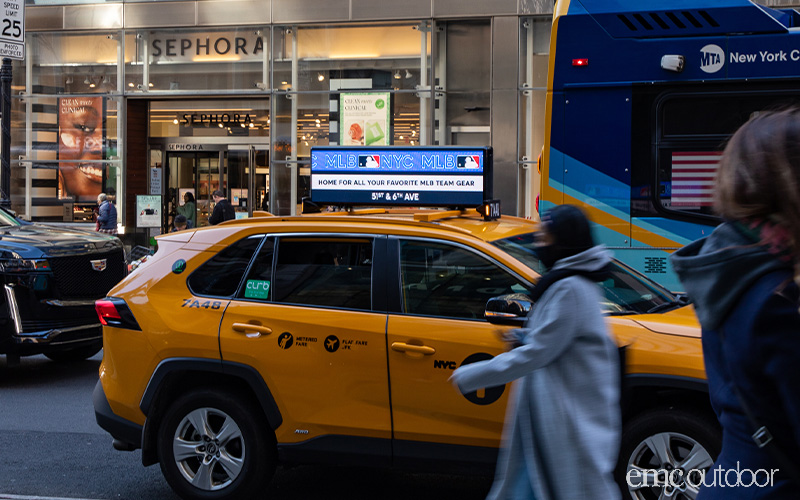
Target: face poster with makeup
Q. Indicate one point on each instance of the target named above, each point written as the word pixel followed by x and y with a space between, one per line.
pixel 81 126
pixel 365 119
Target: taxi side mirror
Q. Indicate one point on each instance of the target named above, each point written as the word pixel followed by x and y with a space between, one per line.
pixel 509 309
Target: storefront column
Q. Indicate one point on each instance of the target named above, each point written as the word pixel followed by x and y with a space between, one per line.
pixel 293 158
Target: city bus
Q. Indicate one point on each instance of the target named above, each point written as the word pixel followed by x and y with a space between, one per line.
pixel 641 99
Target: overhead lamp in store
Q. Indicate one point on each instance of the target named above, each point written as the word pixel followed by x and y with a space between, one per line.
pixel 320 77
pixel 130 84
pixel 92 84
pixel 397 75
pixel 408 74
pixel 175 121
pixel 86 81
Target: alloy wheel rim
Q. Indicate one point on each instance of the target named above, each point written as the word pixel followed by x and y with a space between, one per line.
pixel 209 449
pixel 673 453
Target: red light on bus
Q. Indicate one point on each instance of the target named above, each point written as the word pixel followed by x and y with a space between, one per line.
pixel 580 62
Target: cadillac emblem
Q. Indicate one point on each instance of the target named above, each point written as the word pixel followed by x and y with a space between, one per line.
pixel 99 265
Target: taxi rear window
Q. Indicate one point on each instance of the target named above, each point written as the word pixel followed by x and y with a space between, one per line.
pixel 221 275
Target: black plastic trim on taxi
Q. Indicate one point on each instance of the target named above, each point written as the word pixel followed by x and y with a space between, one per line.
pixel 246 373
pixel 392 273
pixel 120 429
pixel 665 381
pixel 444 458
pixel 380 264
pixel 378 452
pixel 338 450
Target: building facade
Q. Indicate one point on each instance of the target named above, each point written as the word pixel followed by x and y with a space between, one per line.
pixel 162 102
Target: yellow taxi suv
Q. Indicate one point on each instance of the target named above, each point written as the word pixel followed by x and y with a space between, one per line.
pixel 330 338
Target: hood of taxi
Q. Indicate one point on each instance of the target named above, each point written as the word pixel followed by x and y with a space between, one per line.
pixel 681 321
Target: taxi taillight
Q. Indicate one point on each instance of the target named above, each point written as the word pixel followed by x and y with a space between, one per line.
pixel 115 312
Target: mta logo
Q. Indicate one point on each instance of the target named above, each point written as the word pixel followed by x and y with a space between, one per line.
pixel 712 58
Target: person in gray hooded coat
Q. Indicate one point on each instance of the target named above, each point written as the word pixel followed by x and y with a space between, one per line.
pixel 563 422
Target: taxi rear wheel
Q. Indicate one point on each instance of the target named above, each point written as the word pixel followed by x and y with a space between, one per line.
pixel 214 445
pixel 664 452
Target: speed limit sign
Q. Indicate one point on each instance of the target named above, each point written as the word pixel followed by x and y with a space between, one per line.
pixel 12 29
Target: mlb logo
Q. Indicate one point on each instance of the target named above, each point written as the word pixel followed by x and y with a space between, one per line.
pixel 468 161
pixel 369 161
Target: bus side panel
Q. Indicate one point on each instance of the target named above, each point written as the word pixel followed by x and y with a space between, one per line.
pixel 654 239
pixel 552 172
pixel 597 160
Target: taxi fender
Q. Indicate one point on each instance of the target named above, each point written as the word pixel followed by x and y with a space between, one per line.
pixel 198 367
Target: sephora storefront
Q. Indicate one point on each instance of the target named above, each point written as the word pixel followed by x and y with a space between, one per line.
pixel 161 102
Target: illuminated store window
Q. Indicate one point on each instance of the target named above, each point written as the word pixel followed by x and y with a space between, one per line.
pixel 71 157
pixel 73 63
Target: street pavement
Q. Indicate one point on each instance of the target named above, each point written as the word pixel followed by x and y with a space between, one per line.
pixel 52 448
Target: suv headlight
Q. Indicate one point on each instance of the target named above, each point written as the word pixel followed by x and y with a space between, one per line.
pixel 24 265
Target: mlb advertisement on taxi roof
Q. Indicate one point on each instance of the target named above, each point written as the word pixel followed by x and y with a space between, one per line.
pixel 401 176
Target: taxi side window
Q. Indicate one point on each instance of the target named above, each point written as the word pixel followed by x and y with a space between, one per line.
pixel 447 281
pixel 258 283
pixel 221 274
pixel 330 272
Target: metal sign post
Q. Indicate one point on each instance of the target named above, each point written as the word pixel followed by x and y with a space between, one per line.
pixel 12 46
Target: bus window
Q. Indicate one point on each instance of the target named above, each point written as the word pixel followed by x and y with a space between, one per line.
pixel 691 131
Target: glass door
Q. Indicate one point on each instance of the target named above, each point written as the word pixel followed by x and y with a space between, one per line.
pixel 247 174
pixel 193 176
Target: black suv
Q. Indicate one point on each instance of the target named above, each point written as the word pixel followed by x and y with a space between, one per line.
pixel 50 279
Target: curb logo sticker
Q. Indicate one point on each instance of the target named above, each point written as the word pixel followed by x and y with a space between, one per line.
pixel 488 395
pixel 712 58
pixel 286 340
pixel 331 343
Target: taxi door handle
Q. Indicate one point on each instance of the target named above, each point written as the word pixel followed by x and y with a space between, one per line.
pixel 250 330
pixel 420 349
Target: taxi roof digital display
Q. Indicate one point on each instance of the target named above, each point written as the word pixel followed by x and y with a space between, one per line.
pixel 428 176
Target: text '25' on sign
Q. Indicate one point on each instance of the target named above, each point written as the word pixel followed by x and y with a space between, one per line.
pixel 12 29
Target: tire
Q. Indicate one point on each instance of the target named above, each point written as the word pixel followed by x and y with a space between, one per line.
pixel 236 464
pixel 665 440
pixel 72 355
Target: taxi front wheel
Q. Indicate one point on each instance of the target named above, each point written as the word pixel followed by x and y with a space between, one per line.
pixel 214 445
pixel 665 453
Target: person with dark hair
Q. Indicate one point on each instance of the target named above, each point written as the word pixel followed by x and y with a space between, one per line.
pixel 743 279
pixel 180 222
pixel 563 423
pixel 106 215
pixel 189 208
pixel 223 210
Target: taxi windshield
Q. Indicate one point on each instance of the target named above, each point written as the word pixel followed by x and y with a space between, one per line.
pixel 626 291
